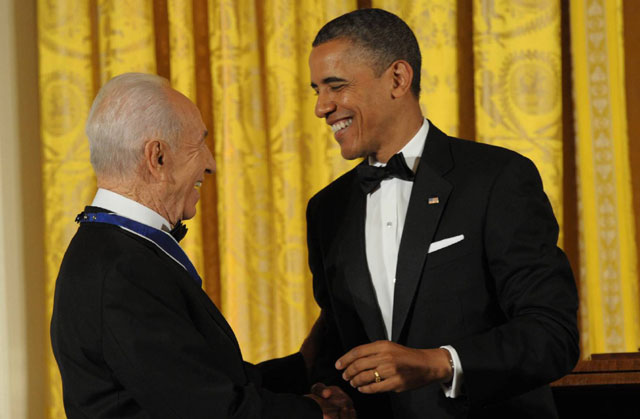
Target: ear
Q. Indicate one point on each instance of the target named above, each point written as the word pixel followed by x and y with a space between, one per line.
pixel 155 159
pixel 402 76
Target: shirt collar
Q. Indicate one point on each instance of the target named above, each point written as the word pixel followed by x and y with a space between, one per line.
pixel 413 149
pixel 129 208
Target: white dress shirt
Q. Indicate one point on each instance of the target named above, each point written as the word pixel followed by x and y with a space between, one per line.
pixel 129 208
pixel 384 223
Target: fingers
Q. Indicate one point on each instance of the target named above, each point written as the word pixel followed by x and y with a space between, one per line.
pixel 333 395
pixel 399 368
pixel 339 397
pixel 337 405
pixel 359 352
pixel 368 377
pixel 319 389
pixel 390 384
pixel 369 363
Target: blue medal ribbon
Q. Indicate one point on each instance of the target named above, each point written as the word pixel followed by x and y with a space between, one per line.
pixel 163 240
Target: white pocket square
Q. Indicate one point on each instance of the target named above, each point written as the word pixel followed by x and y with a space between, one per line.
pixel 441 244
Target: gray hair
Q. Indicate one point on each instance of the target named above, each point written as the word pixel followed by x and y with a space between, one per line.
pixel 128 110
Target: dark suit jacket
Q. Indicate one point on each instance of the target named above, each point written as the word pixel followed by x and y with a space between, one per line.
pixel 504 297
pixel 135 337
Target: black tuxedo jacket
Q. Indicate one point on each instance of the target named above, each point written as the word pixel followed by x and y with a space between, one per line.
pixel 135 337
pixel 504 297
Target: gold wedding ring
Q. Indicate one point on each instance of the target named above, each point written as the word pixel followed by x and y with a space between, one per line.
pixel 378 378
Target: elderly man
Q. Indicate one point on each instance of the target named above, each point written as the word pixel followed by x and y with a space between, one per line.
pixel 434 260
pixel 133 333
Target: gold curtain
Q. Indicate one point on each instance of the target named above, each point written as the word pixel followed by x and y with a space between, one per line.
pixel 66 91
pixel 609 282
pixel 272 155
pixel 435 25
pixel 518 83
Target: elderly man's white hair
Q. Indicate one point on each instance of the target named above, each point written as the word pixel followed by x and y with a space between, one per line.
pixel 128 110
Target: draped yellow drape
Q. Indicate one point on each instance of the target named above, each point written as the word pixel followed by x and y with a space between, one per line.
pixel 518 83
pixel 66 91
pixel 610 319
pixel 272 155
pixel 435 26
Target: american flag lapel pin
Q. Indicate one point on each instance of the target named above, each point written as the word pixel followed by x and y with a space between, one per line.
pixel 433 200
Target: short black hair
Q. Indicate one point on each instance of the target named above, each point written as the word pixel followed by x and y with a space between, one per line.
pixel 383 35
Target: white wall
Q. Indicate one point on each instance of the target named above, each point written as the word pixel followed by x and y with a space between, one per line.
pixel 23 323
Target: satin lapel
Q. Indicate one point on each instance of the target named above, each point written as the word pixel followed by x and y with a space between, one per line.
pixel 356 271
pixel 429 197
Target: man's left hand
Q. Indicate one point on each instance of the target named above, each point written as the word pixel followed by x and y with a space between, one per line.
pixel 398 367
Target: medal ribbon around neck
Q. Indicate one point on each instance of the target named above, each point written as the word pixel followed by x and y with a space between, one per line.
pixel 161 239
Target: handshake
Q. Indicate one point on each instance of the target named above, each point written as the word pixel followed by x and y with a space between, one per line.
pixel 334 402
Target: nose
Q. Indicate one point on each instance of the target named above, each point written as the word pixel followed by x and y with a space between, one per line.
pixel 324 105
pixel 210 163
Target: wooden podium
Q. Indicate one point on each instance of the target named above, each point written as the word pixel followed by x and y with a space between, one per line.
pixel 605 386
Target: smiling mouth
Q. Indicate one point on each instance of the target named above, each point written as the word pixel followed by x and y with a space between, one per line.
pixel 340 125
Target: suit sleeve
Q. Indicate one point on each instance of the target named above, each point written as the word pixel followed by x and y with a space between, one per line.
pixel 283 375
pixel 328 345
pixel 535 288
pixel 153 348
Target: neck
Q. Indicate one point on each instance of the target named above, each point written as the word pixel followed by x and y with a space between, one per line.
pixel 406 123
pixel 138 191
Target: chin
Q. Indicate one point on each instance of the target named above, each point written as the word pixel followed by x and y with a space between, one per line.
pixel 350 154
pixel 189 213
pixel 350 150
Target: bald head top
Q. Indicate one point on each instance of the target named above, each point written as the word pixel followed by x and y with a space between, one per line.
pixel 128 110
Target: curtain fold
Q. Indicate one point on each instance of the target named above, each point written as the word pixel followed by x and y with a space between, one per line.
pixel 435 24
pixel 517 49
pixel 609 279
pixel 125 37
pixel 66 91
pixel 272 155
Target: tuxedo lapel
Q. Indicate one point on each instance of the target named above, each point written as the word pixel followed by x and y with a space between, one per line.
pixel 356 270
pixel 429 197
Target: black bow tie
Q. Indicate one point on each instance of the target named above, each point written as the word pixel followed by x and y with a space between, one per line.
pixel 179 231
pixel 371 176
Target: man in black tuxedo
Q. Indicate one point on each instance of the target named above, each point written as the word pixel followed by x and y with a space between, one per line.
pixel 435 263
pixel 133 333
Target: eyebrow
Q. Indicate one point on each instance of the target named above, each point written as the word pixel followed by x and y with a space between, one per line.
pixel 328 80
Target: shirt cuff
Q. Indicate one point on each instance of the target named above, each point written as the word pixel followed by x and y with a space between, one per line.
pixel 453 388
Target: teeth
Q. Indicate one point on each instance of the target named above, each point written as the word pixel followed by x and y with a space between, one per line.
pixel 198 184
pixel 341 125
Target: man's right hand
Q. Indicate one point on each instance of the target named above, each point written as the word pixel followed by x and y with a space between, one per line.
pixel 334 402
